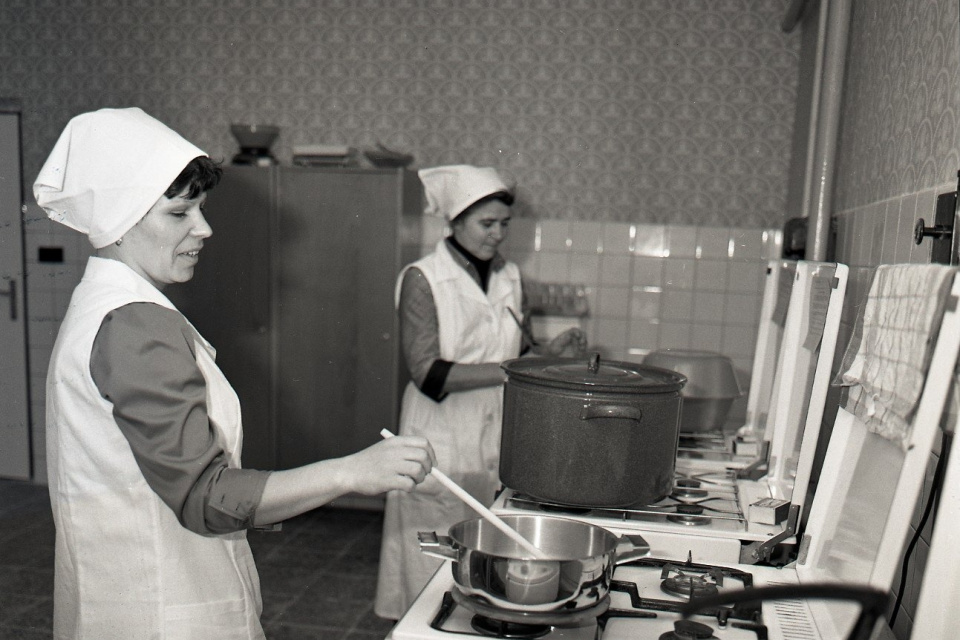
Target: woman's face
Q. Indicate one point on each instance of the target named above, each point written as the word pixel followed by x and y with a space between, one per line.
pixel 481 229
pixel 164 246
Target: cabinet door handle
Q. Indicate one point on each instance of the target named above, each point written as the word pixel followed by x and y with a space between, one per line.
pixel 12 292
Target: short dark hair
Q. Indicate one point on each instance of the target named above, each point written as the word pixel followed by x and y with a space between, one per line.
pixel 201 174
pixel 503 196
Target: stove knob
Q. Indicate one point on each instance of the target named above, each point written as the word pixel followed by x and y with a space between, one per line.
pixel 691 630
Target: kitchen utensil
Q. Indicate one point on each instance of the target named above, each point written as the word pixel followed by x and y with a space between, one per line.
pixel 711 387
pixel 589 432
pixel 574 575
pixel 477 506
pixel 524 330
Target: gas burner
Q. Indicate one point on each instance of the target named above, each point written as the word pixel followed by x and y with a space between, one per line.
pixel 688 483
pixel 688 630
pixel 689 514
pixel 689 586
pixel 560 618
pixel 501 629
pixel 688 492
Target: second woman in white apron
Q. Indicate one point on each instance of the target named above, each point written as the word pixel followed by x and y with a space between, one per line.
pixel 457 308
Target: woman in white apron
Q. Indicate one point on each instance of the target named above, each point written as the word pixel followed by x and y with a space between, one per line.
pixel 457 308
pixel 143 431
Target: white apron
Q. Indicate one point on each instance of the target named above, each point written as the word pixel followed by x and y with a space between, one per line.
pixel 125 568
pixel 464 428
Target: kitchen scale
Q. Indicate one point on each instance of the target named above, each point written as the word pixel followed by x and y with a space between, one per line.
pixel 858 525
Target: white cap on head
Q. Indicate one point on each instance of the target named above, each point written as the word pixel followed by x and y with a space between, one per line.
pixel 451 189
pixel 107 169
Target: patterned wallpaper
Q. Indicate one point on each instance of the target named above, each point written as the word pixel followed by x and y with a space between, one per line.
pixel 899 128
pixel 657 111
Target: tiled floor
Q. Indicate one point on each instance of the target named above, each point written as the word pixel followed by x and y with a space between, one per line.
pixel 318 574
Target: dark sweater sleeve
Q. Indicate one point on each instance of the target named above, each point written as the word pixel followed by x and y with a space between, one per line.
pixel 143 362
pixel 420 335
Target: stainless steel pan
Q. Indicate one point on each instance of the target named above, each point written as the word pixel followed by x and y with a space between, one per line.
pixel 575 574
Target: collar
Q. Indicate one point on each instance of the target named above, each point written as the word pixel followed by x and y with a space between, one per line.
pixel 118 275
pixel 497 262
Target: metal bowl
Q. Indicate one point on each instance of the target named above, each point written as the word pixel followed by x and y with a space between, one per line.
pixel 711 388
pixel 254 136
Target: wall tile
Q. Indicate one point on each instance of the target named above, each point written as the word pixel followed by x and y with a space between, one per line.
pixel 706 337
pixel 682 242
pixel 739 341
pixel 679 273
pixel 675 335
pixel 644 335
pixel 904 231
pixel 677 305
pixel 586 237
pixel 742 308
pixel 616 270
pixel 614 302
pixel 645 303
pixel 554 267
pixel 555 235
pixel 648 271
pixel 746 277
pixel 708 307
pixel 711 275
pixel 611 333
pixel 651 240
pixel 528 261
pixel 585 268
pixel 890 230
pixel 747 244
pixel 713 242
pixel 522 236
pixel 617 238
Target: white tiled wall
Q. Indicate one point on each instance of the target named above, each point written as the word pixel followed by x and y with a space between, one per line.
pixel 650 286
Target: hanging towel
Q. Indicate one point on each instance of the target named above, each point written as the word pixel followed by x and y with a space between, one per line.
pixel 885 365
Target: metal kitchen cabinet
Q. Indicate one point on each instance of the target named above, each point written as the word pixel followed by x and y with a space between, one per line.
pixel 295 291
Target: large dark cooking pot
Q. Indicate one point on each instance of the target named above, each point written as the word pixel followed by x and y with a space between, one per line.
pixel 493 568
pixel 589 433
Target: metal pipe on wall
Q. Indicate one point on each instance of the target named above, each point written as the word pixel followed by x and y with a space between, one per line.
pixel 835 21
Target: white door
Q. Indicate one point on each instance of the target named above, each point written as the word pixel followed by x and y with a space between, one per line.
pixel 14 414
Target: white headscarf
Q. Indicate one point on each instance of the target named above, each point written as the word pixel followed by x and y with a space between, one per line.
pixel 107 169
pixel 451 189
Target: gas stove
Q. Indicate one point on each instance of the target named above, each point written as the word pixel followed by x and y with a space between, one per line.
pixel 644 602
pixel 796 340
pixel 855 534
pixel 707 515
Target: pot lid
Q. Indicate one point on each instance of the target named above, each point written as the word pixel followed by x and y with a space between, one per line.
pixel 595 373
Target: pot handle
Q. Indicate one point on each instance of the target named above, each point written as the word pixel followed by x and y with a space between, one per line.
pixel 437 546
pixel 594 363
pixel 630 547
pixel 592 411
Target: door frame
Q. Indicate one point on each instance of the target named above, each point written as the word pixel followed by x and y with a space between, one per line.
pixel 16 449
